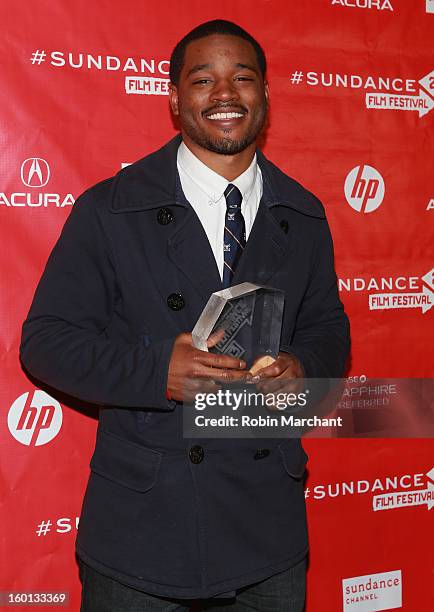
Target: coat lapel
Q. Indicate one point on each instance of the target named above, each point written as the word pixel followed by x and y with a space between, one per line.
pixel 190 251
pixel 266 250
pixel 272 244
pixel 152 184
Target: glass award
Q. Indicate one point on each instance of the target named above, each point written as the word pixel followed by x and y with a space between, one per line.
pixel 250 316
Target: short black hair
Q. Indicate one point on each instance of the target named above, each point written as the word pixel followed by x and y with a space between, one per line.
pixel 216 26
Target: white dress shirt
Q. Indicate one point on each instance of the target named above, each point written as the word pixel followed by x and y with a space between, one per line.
pixel 204 189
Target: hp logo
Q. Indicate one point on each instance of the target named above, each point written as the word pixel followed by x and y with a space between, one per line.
pixel 364 189
pixel 35 420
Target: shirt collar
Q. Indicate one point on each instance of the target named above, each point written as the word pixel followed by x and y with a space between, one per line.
pixel 211 183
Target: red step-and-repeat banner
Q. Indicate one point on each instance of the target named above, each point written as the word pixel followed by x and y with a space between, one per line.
pixel 83 92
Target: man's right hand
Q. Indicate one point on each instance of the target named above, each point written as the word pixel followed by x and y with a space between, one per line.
pixel 193 371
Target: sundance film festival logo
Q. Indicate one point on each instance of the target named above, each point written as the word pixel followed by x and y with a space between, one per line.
pixel 389 493
pixel 145 76
pixel 35 419
pixel 102 62
pixel 380 5
pixel 381 591
pixel 35 174
pixel 422 103
pixel 394 292
pixel 380 92
pixel 364 189
pixel 404 499
pixel 423 299
pixel 64 524
pixel 146 86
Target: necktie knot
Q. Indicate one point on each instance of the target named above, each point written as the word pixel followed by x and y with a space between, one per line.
pixel 233 198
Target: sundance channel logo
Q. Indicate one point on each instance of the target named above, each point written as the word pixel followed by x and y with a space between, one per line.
pixel 394 292
pixel 35 175
pixel 381 591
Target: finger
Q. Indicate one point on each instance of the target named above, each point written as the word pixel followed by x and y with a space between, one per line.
pixel 195 386
pixel 184 338
pixel 215 338
pixel 271 371
pixel 208 386
pixel 214 360
pixel 220 374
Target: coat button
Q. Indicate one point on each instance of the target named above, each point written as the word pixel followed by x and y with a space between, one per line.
pixel 284 225
pixel 175 301
pixel 164 216
pixel 196 454
pixel 261 453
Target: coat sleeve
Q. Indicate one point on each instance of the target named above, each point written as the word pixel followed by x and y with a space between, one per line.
pixel 64 341
pixel 321 339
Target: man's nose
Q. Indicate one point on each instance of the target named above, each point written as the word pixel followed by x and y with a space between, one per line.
pixel 224 90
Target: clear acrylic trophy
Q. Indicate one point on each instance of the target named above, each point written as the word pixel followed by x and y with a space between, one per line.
pixel 251 318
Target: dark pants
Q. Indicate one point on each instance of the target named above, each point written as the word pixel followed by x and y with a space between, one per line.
pixel 283 592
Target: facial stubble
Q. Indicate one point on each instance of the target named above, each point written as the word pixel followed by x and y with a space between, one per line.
pixel 224 145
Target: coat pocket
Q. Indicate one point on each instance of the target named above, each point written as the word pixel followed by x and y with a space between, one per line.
pixel 126 463
pixel 294 458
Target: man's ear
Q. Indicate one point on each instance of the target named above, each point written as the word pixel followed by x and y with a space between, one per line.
pixel 173 99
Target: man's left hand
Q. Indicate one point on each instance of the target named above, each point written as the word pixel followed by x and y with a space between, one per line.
pixel 284 374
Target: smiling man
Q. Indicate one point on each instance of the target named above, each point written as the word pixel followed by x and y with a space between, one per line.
pixel 168 521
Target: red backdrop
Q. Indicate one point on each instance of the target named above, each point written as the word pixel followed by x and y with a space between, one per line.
pixel 352 88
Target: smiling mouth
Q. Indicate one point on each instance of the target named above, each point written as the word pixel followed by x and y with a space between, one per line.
pixel 223 113
pixel 224 116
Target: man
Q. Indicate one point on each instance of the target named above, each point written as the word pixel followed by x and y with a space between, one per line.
pixel 167 520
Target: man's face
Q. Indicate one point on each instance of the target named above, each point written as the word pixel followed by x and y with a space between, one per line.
pixel 221 98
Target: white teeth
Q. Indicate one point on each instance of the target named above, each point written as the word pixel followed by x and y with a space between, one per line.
pixel 220 116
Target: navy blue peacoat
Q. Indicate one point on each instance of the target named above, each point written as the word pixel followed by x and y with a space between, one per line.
pixel 132 269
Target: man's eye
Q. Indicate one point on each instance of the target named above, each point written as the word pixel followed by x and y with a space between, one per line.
pixel 243 78
pixel 201 81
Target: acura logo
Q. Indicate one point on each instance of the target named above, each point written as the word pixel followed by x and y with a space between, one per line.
pixel 35 172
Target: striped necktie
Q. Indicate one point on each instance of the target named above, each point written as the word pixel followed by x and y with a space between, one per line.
pixel 234 239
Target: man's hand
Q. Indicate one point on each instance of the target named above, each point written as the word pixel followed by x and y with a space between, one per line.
pixel 285 374
pixel 192 371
